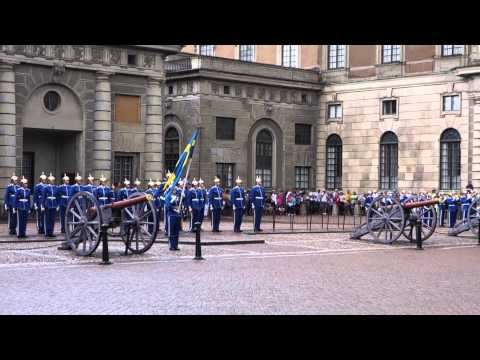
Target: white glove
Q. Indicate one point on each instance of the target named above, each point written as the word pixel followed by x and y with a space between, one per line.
pixel 190 208
pixel 35 206
pixel 211 207
pixel 253 206
pixel 6 207
pixel 14 210
pixel 42 208
pixel 234 207
pixel 58 208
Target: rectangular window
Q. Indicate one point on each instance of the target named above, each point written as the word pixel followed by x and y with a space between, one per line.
pixel 390 53
pixel 132 59
pixel 336 56
pixel 388 166
pixel 225 171
pixel 389 107
pixel 452 50
pixel 127 108
pixel 170 90
pixel 206 50
pixel 246 52
pixel 451 103
pixel 450 170
pixel 290 55
pixel 304 99
pixel 123 168
pixel 266 176
pixel 303 134
pixel 225 128
pixel 335 111
pixel 226 90
pixel 334 167
pixel 302 177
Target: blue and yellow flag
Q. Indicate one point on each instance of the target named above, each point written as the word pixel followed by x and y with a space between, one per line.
pixel 174 177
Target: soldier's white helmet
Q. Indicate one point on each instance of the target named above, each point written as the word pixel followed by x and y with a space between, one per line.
pixel 158 182
pixel 78 177
pixel 51 177
pixel 90 177
pixel 258 179
pixel 43 176
pixel 201 182
pixel 137 182
pixel 14 177
pixel 216 180
pixel 102 178
pixel 238 181
pixel 181 182
pixel 126 182
pixel 24 181
pixel 194 182
pixel 65 178
pixel 151 183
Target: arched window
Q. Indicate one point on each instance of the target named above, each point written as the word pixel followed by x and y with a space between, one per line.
pixel 450 160
pixel 264 158
pixel 172 148
pixel 334 162
pixel 389 161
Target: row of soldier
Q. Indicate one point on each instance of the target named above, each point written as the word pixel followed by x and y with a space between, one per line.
pixel 50 199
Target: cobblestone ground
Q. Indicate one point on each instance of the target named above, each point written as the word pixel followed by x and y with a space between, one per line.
pixel 296 273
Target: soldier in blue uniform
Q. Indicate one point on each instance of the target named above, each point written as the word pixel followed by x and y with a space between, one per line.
pixel 10 204
pixel 172 208
pixel 65 193
pixel 158 191
pixel 77 187
pixel 50 204
pixel 151 191
pixel 23 208
pixel 257 199
pixel 90 185
pixel 125 191
pixel 103 193
pixel 215 199
pixel 442 208
pixel 163 204
pixel 465 204
pixel 237 198
pixel 136 188
pixel 38 203
pixel 452 210
pixel 203 201
pixel 194 205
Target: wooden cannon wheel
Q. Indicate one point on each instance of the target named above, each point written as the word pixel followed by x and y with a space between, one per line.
pixel 139 225
pixel 82 223
pixel 427 214
pixel 474 215
pixel 385 219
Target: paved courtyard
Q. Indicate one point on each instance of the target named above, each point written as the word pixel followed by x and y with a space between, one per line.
pixel 297 273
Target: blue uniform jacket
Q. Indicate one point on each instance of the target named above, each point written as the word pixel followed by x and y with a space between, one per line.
pixel 10 195
pixel 65 193
pixel 195 199
pixel 50 196
pixel 237 197
pixel 104 195
pixel 215 197
pixel 23 199
pixel 124 193
pixel 89 188
pixel 172 207
pixel 38 194
pixel 76 188
pixel 257 196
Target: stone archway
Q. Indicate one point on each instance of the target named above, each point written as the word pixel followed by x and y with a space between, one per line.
pixel 270 127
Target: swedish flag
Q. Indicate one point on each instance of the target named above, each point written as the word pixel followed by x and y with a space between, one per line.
pixel 174 177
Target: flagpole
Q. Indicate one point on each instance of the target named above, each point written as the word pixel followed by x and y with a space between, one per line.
pixel 186 175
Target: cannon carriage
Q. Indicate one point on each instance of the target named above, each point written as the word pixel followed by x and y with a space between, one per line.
pixel 387 219
pixel 133 220
pixel 471 222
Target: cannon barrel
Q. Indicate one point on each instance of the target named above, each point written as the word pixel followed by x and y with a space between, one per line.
pixel 420 204
pixel 128 202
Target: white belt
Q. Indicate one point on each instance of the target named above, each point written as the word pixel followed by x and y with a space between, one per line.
pixel 240 199
pixel 23 200
pixel 51 197
pixel 217 198
pixel 195 199
pixel 259 197
pixel 103 198
pixel 12 195
pixel 64 196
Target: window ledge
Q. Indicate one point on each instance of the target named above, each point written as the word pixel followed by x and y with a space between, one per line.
pixel 451 113
pixel 335 121
pixel 386 117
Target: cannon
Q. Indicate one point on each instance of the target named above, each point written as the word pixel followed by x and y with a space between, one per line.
pixel 388 219
pixel 85 219
pixel 471 222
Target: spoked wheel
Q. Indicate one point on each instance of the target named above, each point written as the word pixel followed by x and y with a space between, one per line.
pixel 83 219
pixel 385 219
pixel 427 214
pixel 474 215
pixel 139 226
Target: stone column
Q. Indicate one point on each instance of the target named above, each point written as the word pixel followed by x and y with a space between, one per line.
pixel 154 130
pixel 8 142
pixel 102 126
pixel 475 119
